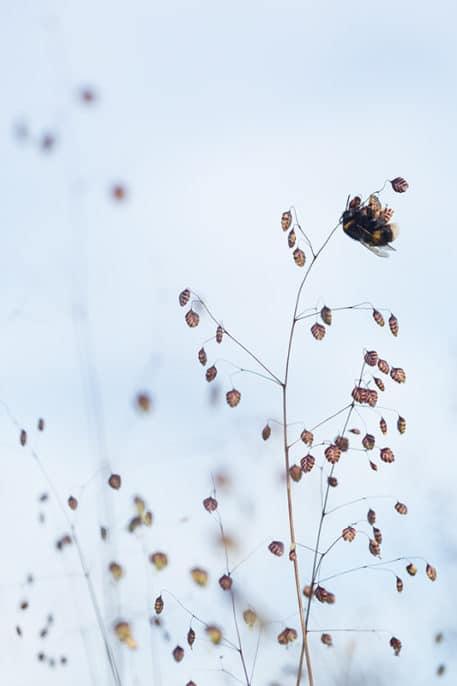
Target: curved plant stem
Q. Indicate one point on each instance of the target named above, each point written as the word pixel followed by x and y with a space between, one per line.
pixel 304 653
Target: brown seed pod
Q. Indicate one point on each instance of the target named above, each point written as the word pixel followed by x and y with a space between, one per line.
pixel 291 239
pixel 143 401
pixel 184 297
pixel 210 504
pixel 23 437
pixel 399 184
pixel 211 373
pixel 330 598
pixel 214 634
pixel 277 548
pixel 116 570
pixel 219 334
pixel 147 518
pixel 307 592
pixel 379 383
pixel 307 437
pixel 326 639
pixel 332 454
pixel 383 425
pixel 368 441
pixel 386 455
pixel 307 463
pixel 41 424
pixel 191 637
pixel 398 374
pixel 371 517
pixel 377 316
pixel 178 653
pixel 72 503
pixel 371 358
pixel 299 257
pixel 355 431
pixel 293 553
pixel 399 584
pixel 158 605
pixel 411 569
pixel 342 443
pixel 295 472
pixel 401 508
pixel 159 560
pixel 202 356
pixel 233 397
pixel 226 582
pixel 286 636
pixel 326 315
pixel 199 575
pixel 115 481
pixel 192 318
pixel 377 535
pixel 348 534
pixel 103 533
pixel 318 331
pixel 396 645
pixel 430 571
pixel 393 325
pixel 372 398
pixel 374 548
pixel 321 594
pixel 401 424
pixel 332 481
pixel 266 432
pixel 440 670
pixel 373 466
pixel 250 617
pixel 360 394
pixel 118 192
pixel 383 366
pixel 286 220
pixel 124 634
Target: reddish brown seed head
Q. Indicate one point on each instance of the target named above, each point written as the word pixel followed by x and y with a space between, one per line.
pixel 266 432
pixel 393 325
pixel 159 560
pixel 399 184
pixel 401 425
pixel 383 425
pixel 326 315
pixel 371 358
pixel 377 535
pixel 211 373
pixel 192 318
pixel 23 437
pixel 396 645
pixel 191 637
pixel 368 441
pixel 332 481
pixel 307 463
pixel 386 455
pixel 355 431
pixel 307 437
pixel 118 192
pixel 226 582
pixel 158 605
pixel 299 257
pixel 348 534
pixel 373 466
pixel 233 397
pixel 295 472
pixel 374 548
pixel 41 424
pixel 202 356
pixel 332 453
pixel 277 548
pixel 307 591
pixel 286 220
pixel 326 639
pixel 115 481
pixel 210 504
pixel 184 297
pixel 72 503
pixel 401 508
pixel 411 569
pixel 383 366
pixel 379 319
pixel 371 517
pixel 379 383
pixel 398 374
pixel 178 653
pixel 219 334
pixel 318 331
pixel 372 398
pixel 430 571
pixel 399 584
pixel 286 636
pixel 291 239
pixel 342 443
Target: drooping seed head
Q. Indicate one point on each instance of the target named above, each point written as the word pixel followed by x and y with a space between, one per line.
pixel 211 373
pixel 379 319
pixel 398 374
pixel 299 257
pixel 233 397
pixel 225 582
pixel 386 455
pixel 396 645
pixel 393 325
pixel 371 517
pixel 401 508
pixel 326 315
pixel 371 358
pixel 348 534
pixel 295 472
pixel 383 366
pixel 307 463
pixel 332 453
pixel 291 238
pixel 184 297
pixel 401 424
pixel 286 220
pixel 383 425
pixel 318 331
pixel 192 318
pixel 202 356
pixel 266 432
pixel 210 504
pixel 277 548
pixel 399 184
pixel 219 334
pixel 368 441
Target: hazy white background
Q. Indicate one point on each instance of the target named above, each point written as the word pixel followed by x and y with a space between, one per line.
pixel 217 118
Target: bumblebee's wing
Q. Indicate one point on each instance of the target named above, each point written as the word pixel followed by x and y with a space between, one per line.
pixel 380 251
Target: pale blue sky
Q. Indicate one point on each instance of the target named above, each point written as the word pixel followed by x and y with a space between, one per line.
pixel 218 117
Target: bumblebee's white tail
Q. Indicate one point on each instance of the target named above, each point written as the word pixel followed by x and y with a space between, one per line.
pixel 395 231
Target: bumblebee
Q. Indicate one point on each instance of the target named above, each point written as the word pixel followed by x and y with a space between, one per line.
pixel 370 225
